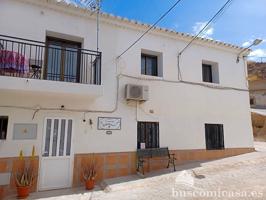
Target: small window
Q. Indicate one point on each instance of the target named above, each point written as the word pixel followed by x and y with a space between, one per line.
pixel 214 136
pixel 207 73
pixel 148 135
pixel 3 127
pixel 210 72
pixel 149 65
pixel 252 101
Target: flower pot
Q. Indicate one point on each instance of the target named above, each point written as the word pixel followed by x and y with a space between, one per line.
pixel 89 184
pixel 23 192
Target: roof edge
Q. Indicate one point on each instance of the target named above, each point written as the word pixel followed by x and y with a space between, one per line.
pixel 111 17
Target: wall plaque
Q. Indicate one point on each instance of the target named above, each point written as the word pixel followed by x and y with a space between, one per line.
pixel 25 131
pixel 109 123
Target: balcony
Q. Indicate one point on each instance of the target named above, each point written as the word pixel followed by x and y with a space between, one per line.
pixel 55 66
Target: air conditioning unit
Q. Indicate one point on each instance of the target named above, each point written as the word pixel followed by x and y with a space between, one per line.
pixel 137 92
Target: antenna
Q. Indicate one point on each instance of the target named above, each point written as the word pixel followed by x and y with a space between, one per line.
pixel 98 14
pixel 94 6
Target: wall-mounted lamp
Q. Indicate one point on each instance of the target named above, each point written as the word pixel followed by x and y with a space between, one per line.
pixel 254 43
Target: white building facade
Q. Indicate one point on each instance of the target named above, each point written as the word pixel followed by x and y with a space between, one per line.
pixel 70 103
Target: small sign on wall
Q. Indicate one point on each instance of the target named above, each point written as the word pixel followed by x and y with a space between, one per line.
pixel 109 123
pixel 108 132
pixel 25 132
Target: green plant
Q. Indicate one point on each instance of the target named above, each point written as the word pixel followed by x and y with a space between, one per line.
pixel 25 178
pixel 89 172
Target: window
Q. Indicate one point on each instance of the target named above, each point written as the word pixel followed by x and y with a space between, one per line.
pixel 210 72
pixel 148 133
pixel 214 136
pixel 252 100
pixel 3 127
pixel 207 73
pixel 63 60
pixel 149 65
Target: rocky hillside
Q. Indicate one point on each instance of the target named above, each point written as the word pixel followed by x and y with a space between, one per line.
pixel 256 70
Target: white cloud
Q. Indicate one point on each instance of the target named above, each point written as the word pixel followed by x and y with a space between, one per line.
pixel 246 44
pixel 200 25
pixel 257 55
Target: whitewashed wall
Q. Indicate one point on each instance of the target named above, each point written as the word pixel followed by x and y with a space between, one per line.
pixel 181 109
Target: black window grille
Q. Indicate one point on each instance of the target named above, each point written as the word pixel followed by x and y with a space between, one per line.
pixel 214 135
pixel 55 60
pixel 148 133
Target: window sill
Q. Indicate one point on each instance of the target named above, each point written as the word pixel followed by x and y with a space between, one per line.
pixel 211 83
pixel 142 76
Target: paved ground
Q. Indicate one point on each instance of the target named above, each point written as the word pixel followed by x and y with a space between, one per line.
pixel 238 177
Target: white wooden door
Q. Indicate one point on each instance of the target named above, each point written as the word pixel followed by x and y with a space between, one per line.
pixel 56 161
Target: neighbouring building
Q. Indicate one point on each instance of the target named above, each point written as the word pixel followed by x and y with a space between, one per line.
pixel 257 89
pixel 70 101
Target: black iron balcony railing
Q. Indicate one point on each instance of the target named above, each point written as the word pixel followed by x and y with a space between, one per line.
pixel 54 59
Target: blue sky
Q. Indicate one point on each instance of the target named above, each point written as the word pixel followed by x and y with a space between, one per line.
pixel 241 23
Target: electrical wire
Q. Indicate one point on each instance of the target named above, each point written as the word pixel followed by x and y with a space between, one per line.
pixel 211 86
pixel 214 18
pixel 151 27
pixel 84 111
pixel 222 12
pixel 118 76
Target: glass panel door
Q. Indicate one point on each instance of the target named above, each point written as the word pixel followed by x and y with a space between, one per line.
pixel 57 160
pixel 71 65
pixel 54 62
pixel 63 60
pixel 58 136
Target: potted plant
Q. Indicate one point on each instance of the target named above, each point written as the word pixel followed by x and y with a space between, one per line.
pixel 24 176
pixel 89 174
pixel 24 181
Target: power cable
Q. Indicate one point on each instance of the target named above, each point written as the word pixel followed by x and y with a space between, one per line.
pixel 166 13
pixel 219 13
pixel 212 20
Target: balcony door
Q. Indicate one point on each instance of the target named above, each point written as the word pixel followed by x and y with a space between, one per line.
pixel 62 60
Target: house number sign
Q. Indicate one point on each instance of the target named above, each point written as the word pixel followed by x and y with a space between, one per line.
pixel 109 123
